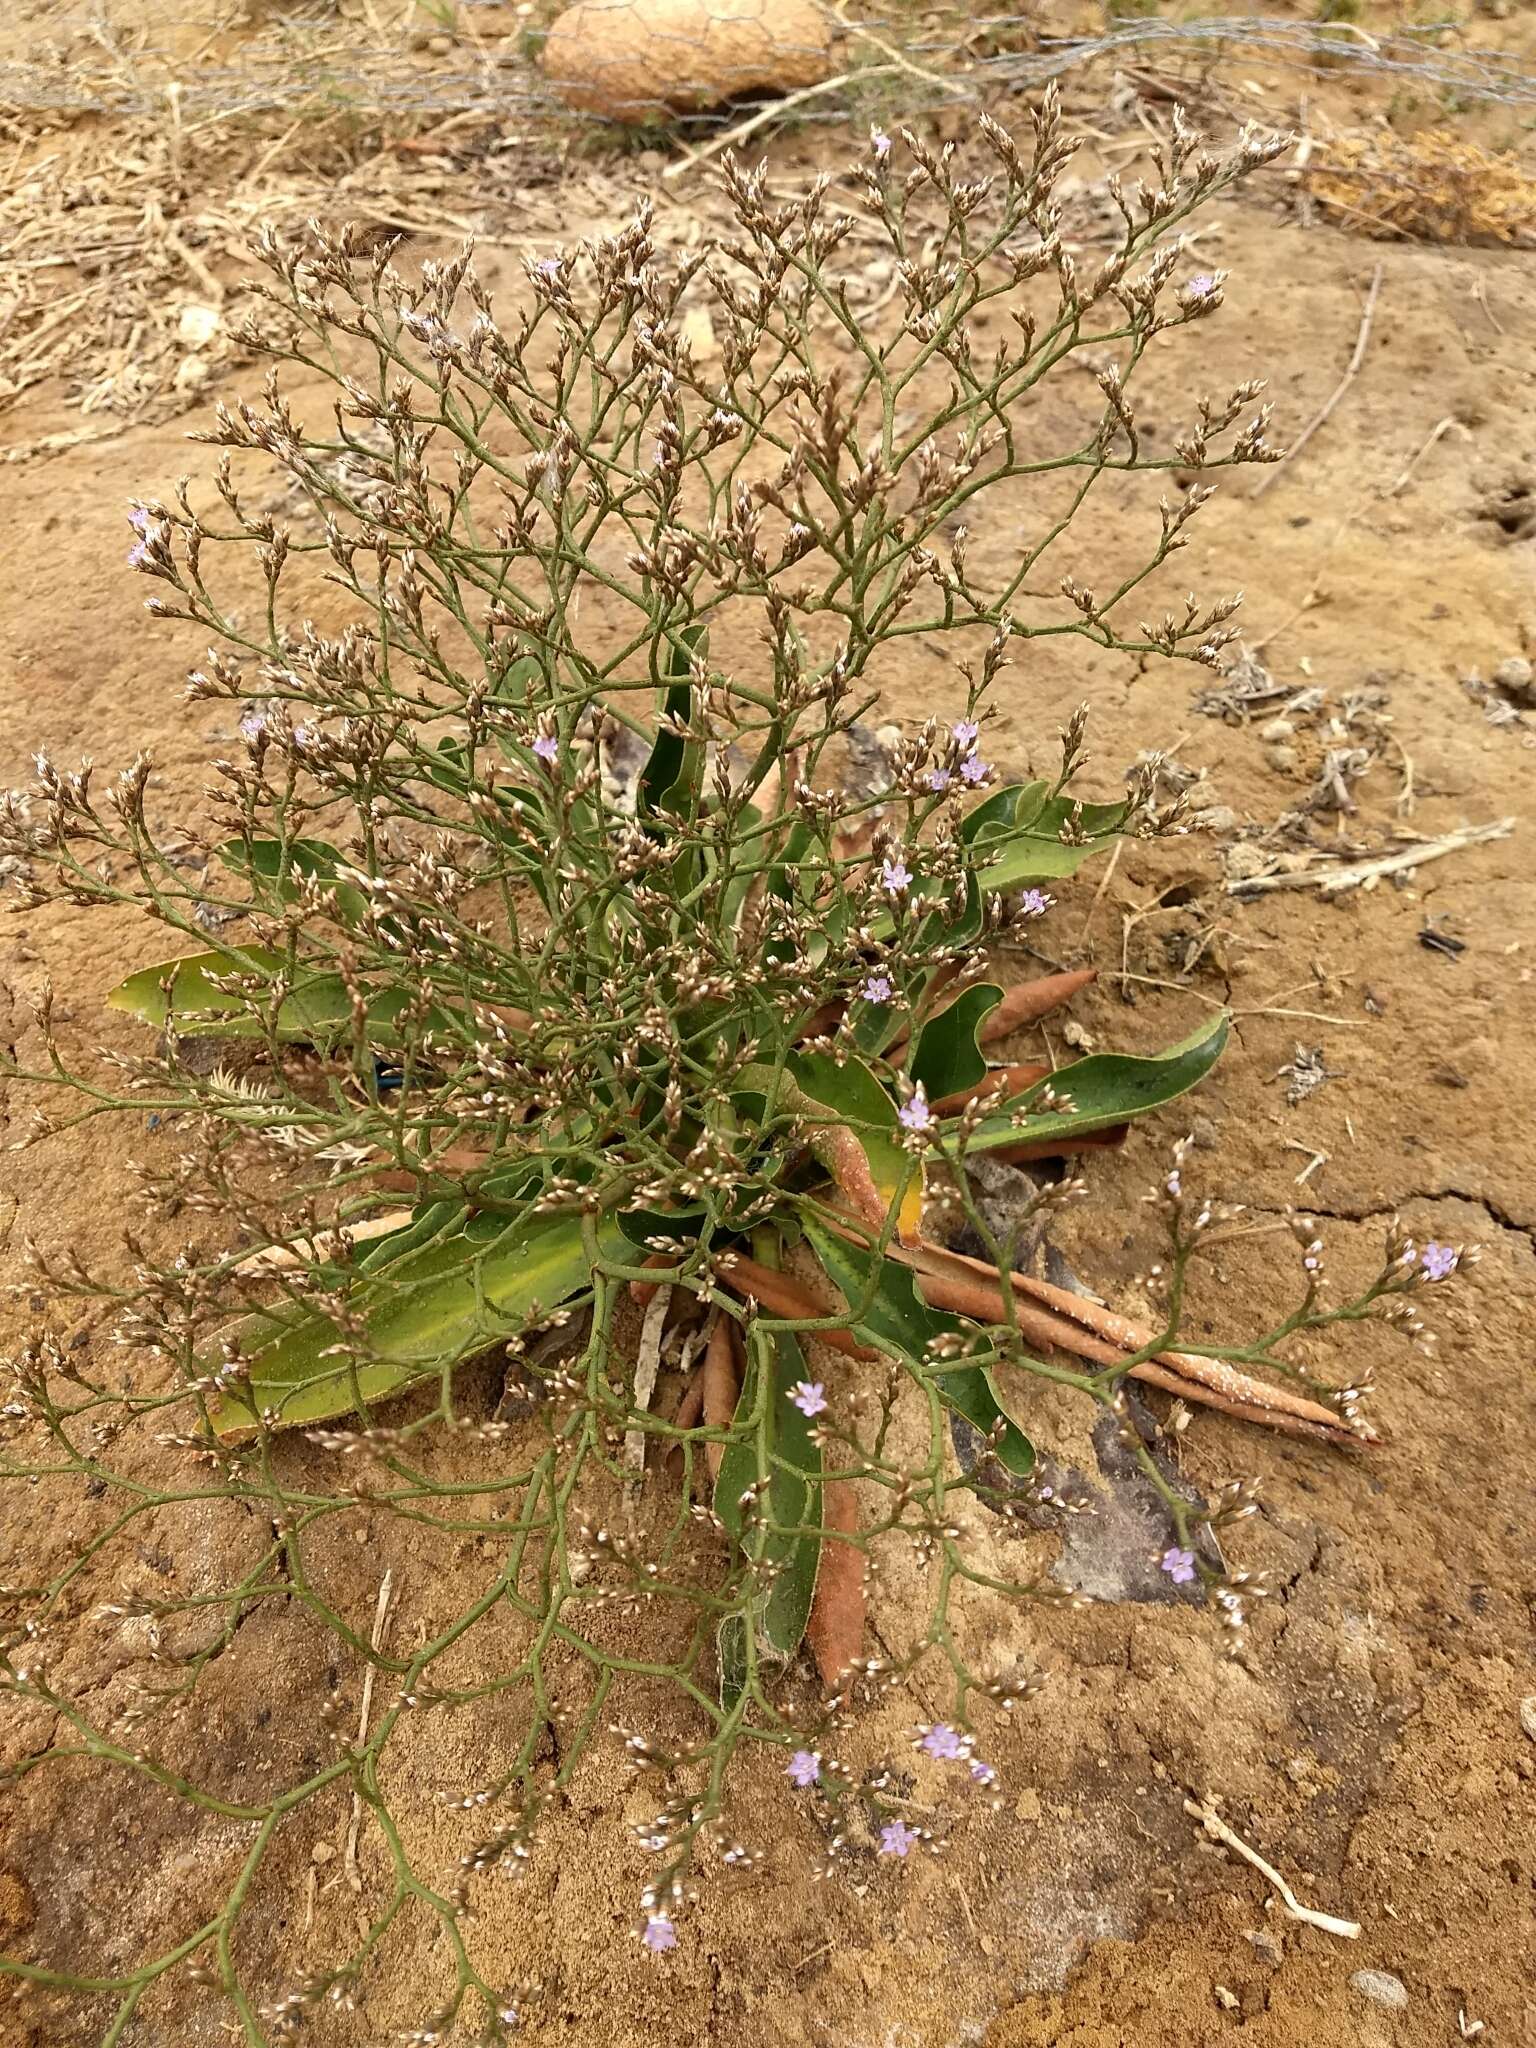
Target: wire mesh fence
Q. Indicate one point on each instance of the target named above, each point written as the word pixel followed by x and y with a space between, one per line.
pixel 640 61
pixel 149 139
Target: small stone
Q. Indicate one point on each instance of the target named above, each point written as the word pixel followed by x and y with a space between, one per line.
pixel 1244 861
pixel 1283 759
pixel 1277 729
pixel 1528 1715
pixel 1381 1988
pixel 322 1852
pixel 1220 818
pixel 1516 678
pixel 1027 1806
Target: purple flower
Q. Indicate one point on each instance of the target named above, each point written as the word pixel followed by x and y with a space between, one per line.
pixel 305 735
pixel 138 554
pixel 1202 286
pixel 660 1934
pixel 938 780
pixel 1174 1184
pixel 877 989
pixel 974 769
pixel 896 1838
pixel 547 747
pixel 253 721
pixel 916 1114
pixel 1035 902
pixel 1178 1564
pixel 984 1774
pixel 140 519
pixel 944 1744
pixel 1439 1261
pixel 547 267
pixel 895 876
pixel 966 732
pixel 804 1767
pixel 809 1396
pixel 880 143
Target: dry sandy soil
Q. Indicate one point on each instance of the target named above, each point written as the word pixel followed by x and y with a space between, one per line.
pixel 1370 1743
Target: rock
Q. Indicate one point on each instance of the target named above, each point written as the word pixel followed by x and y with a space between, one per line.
pixel 640 60
pixel 1277 729
pixel 1528 1715
pixel 1381 1988
pixel 1516 678
pixel 1281 758
pixel 1219 818
pixel 1244 861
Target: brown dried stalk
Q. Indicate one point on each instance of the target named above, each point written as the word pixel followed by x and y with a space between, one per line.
pixel 1053 1317
pixel 788 1298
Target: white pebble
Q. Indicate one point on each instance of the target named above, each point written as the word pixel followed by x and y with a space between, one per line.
pixel 1381 1988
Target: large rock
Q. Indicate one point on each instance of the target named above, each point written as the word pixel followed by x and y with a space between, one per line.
pixel 641 60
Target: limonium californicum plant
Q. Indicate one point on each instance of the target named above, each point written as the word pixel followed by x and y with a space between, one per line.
pixel 574 976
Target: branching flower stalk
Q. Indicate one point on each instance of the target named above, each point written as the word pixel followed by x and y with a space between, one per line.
pixel 567 973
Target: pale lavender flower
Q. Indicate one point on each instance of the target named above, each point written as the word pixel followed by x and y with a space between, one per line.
pixel 938 780
pixel 1439 1261
pixel 896 1838
pixel 966 732
pixel 305 735
pixel 916 1114
pixel 660 1934
pixel 1035 903
pixel 547 267
pixel 1178 1564
pixel 895 876
pixel 973 769
pixel 944 1744
pixel 984 1774
pixel 809 1396
pixel 253 721
pixel 804 1767
pixel 142 522
pixel 877 989
pixel 1201 287
pixel 880 143
pixel 547 747
pixel 1174 1184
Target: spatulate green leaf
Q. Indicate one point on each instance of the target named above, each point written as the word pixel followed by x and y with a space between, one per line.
pixel 446 1301
pixel 1107 1088
pixel 892 1316
pixel 783 1542
pixel 947 1057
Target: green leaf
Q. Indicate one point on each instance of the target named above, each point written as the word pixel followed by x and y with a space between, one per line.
pixel 948 1057
pixel 1108 1088
pixel 274 871
pixel 860 1102
pixel 641 1225
pixel 783 1541
pixel 1020 828
pixel 480 1280
pixel 318 1005
pixel 674 773
pixel 900 1323
pixel 317 1012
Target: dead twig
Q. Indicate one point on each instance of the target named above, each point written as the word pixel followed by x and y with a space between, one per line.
pixel 1348 378
pixel 1205 1812
pixel 376 1644
pixel 1363 874
pixel 647 1365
